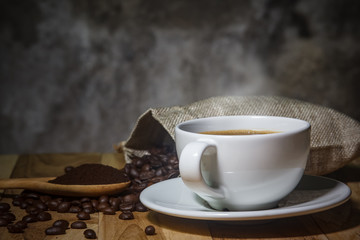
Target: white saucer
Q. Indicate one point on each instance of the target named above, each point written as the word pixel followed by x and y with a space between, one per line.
pixel 313 194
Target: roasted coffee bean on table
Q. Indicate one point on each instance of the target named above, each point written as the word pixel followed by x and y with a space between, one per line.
pixel 90 234
pixel 3 222
pixel 4 207
pixel 83 216
pixel 159 165
pixel 150 230
pixel 61 223
pixel 44 216
pixel 30 218
pixel 8 216
pixel 55 231
pixel 13 228
pixel 21 224
pixel 79 225
pixel 126 215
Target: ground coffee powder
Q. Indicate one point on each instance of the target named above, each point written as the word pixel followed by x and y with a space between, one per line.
pixel 92 174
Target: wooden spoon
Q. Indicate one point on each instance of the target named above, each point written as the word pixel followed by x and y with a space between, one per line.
pixel 42 185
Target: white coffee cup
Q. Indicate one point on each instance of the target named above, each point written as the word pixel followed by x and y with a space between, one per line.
pixel 242 172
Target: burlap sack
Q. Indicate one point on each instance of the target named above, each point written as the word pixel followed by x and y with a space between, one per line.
pixel 335 137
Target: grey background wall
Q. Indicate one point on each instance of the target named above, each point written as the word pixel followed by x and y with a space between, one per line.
pixel 76 74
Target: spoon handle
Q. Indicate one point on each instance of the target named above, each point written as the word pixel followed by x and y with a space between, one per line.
pixel 24 183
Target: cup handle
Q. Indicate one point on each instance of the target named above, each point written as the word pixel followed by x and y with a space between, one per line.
pixel 190 170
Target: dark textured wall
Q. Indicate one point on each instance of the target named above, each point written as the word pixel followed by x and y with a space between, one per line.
pixel 76 74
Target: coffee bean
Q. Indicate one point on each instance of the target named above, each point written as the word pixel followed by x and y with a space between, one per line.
pixel 85 199
pixel 61 223
pixel 146 168
pixel 44 198
pixel 115 202
pixel 134 173
pixel 139 162
pixel 17 201
pixel 3 222
pixel 140 207
pixel 13 228
pixel 89 210
pixel 78 225
pixel 44 216
pixel 109 211
pixel 74 209
pixel 55 231
pixel 87 205
pixel 90 234
pixel 159 172
pixel 21 224
pixel 102 206
pixel 23 205
pixel 30 218
pixel 130 198
pixel 147 175
pixel 75 202
pixel 103 199
pixel 155 163
pixel 4 207
pixel 32 210
pixel 83 216
pixel 29 201
pixel 126 215
pixel 40 205
pixel 52 205
pixel 126 206
pixel 32 195
pixel 150 230
pixel 8 216
pixel 63 207
pixel 95 203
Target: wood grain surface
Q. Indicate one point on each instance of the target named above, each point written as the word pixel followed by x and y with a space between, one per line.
pixel 339 223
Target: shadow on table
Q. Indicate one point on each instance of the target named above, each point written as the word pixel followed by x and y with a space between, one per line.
pixel 338 219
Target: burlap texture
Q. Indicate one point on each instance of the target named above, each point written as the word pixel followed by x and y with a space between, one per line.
pixel 335 137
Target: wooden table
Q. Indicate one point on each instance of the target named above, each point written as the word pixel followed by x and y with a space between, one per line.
pixel 342 222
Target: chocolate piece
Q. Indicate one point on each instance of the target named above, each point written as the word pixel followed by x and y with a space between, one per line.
pixel 150 230
pixel 79 225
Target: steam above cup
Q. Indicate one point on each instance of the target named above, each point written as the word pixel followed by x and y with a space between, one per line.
pixel 237 172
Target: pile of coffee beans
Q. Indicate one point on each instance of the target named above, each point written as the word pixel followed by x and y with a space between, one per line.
pixel 160 164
